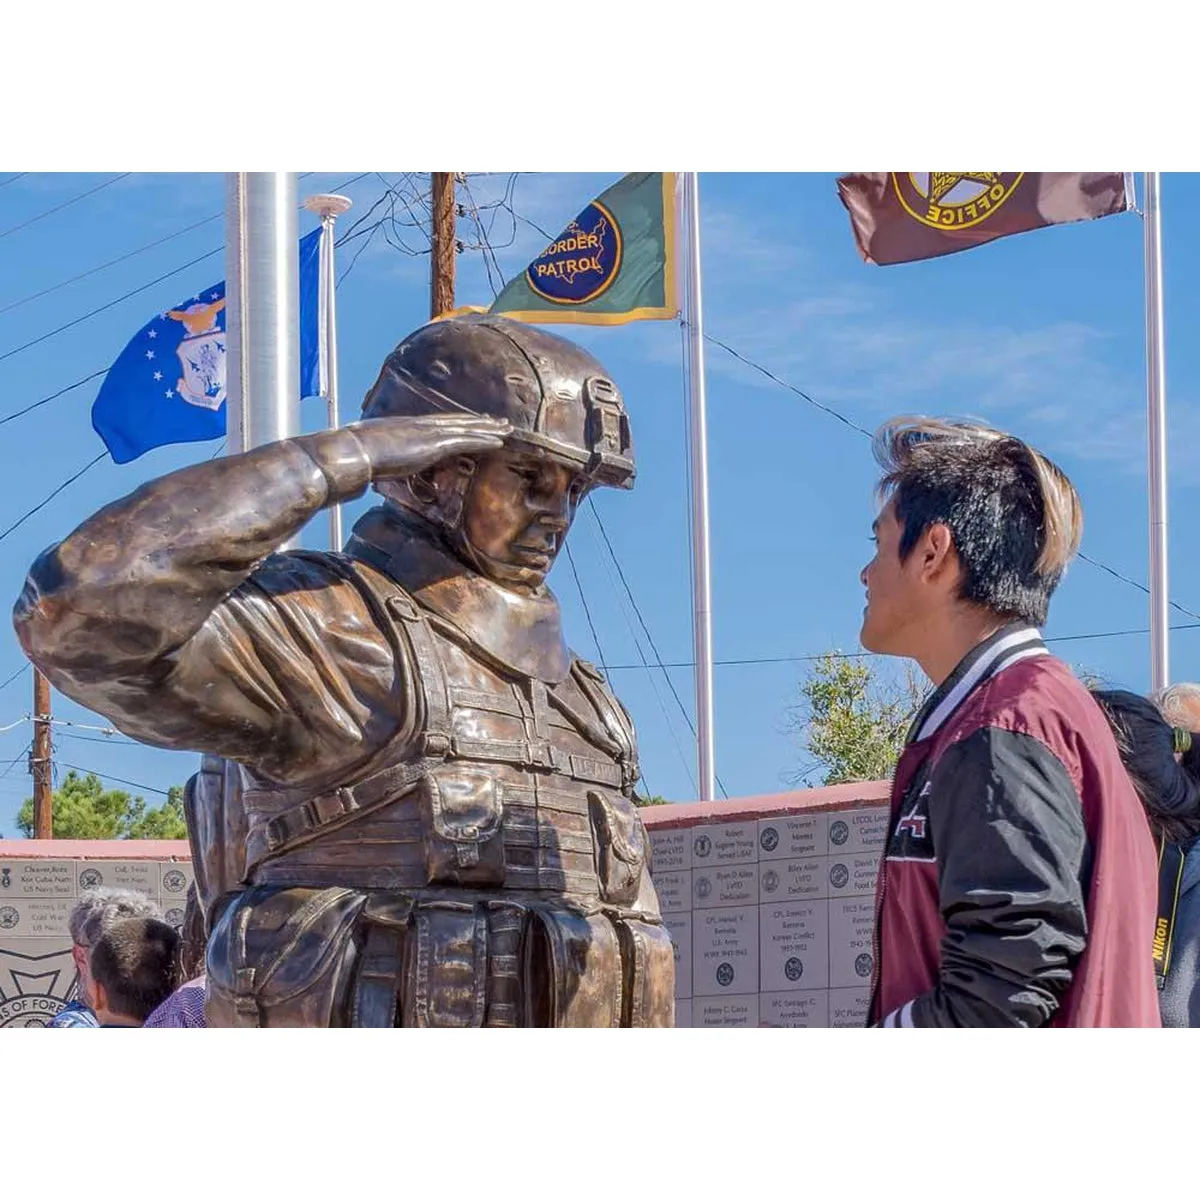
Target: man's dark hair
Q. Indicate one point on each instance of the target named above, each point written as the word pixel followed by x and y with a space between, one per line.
pixel 1015 519
pixel 1147 741
pixel 136 961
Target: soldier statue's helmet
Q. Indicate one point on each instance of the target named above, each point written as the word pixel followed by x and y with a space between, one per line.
pixel 557 397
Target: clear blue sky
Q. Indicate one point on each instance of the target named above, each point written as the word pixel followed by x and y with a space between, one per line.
pixel 1042 334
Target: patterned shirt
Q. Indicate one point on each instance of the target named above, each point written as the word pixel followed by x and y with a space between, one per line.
pixel 182 1009
pixel 75 1015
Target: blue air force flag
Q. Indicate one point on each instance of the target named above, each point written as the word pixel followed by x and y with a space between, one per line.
pixel 168 384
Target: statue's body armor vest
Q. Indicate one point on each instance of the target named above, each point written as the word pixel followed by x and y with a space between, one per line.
pixel 493 858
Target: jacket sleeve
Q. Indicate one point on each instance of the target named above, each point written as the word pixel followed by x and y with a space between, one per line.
pixel 1008 829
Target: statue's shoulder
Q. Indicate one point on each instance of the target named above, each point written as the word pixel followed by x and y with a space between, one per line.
pixel 343 592
pixel 588 670
pixel 303 570
pixel 594 679
pixel 291 570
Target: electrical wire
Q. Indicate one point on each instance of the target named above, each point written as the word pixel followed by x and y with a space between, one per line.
pixel 42 503
pixel 65 204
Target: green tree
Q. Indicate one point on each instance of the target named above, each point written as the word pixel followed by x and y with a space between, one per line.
pixel 166 822
pixel 84 808
pixel 852 722
pixel 648 801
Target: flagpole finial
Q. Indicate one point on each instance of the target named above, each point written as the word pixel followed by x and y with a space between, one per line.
pixel 328 205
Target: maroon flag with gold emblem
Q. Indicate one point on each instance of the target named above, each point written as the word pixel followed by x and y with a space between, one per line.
pixel 903 216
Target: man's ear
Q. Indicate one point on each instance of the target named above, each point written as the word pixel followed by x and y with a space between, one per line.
pixel 939 557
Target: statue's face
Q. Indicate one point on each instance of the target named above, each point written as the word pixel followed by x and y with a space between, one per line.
pixel 516 515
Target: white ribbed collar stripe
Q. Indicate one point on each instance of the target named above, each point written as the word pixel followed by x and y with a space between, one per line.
pixel 1025 642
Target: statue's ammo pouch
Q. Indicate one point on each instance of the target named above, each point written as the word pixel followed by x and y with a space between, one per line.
pixel 620 848
pixel 283 957
pixel 463 817
pixel 446 964
pixel 572 970
pixel 648 960
pixel 217 830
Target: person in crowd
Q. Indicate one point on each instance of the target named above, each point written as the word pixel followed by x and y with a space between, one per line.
pixel 134 966
pixel 1159 740
pixel 1018 883
pixel 95 911
pixel 184 1008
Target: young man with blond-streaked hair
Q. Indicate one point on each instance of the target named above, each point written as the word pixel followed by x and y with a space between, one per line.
pixel 1018 886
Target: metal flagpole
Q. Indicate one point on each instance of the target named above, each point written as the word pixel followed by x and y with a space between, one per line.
pixel 701 582
pixel 329 208
pixel 262 318
pixel 262 303
pixel 1156 435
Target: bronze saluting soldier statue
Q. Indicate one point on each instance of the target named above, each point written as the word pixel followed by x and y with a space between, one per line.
pixel 431 822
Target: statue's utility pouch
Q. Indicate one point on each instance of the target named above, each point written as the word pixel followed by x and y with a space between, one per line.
pixel 446 967
pixel 283 957
pixel 648 959
pixel 463 812
pixel 572 967
pixel 620 843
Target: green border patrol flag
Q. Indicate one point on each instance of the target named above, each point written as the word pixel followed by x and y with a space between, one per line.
pixel 615 262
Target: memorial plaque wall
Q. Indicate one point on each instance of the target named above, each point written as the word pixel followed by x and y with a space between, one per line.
pixel 769 902
pixel 772 913
pixel 37 892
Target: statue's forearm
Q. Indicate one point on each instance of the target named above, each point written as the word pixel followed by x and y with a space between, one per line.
pixel 136 580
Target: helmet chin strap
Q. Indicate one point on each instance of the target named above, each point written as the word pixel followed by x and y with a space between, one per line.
pixel 445 514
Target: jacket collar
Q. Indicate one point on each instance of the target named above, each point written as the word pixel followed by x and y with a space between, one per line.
pixel 1009 645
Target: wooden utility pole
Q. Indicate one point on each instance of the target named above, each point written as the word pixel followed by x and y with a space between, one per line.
pixel 444 245
pixel 39 759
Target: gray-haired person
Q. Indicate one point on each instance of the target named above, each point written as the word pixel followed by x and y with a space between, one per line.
pixel 1159 740
pixel 96 911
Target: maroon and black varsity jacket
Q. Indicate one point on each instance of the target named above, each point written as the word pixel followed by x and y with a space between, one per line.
pixel 1019 884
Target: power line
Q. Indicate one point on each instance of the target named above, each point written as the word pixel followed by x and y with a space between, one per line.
pixel 135 291
pixel 112 262
pixel 81 725
pixel 1187 612
pixel 22 757
pixel 111 303
pixel 358 253
pixel 104 741
pixel 42 504
pixel 13 178
pixel 587 612
pixel 858 428
pixel 783 383
pixel 791 658
pixel 142 787
pixel 65 204
pixel 645 628
pixel 637 645
pixel 53 396
pixel 14 676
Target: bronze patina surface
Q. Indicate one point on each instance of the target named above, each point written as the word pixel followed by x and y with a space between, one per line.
pixel 415 806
